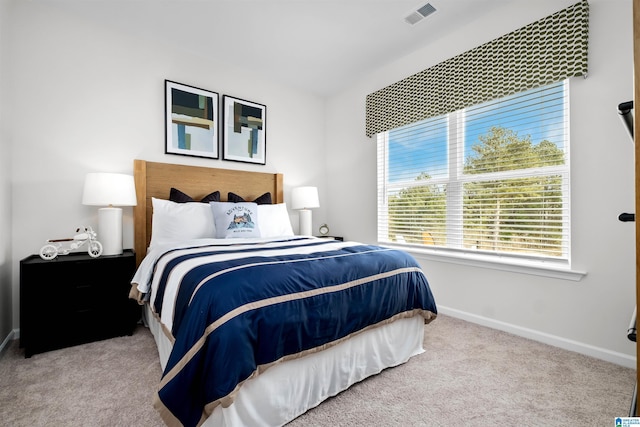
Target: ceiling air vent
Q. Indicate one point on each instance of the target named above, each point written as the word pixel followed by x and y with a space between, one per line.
pixel 421 13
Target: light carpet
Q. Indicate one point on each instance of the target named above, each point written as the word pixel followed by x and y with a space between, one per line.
pixel 469 376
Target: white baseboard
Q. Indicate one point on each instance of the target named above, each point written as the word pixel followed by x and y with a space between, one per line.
pixel 582 348
pixel 556 341
pixel 14 334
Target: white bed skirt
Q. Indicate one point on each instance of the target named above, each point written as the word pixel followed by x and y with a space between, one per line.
pixel 289 389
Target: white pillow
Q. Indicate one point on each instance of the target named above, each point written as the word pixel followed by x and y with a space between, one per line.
pixel 274 220
pixel 235 219
pixel 180 221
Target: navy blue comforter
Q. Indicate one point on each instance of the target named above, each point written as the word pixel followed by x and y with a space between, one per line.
pixel 233 316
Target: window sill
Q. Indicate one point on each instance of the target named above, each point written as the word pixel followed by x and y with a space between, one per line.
pixel 551 268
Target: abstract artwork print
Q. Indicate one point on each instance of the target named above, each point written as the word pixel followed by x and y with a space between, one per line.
pixel 244 130
pixel 191 120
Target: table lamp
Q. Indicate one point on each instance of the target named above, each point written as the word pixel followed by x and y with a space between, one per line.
pixel 110 190
pixel 304 199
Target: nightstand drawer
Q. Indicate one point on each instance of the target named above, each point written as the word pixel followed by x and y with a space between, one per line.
pixel 85 296
pixel 75 299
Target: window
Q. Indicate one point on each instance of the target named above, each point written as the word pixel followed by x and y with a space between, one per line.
pixel 488 179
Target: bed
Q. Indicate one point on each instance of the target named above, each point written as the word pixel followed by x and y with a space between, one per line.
pixel 257 330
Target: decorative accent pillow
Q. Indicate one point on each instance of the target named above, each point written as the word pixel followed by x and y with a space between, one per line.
pixel 235 219
pixel 274 220
pixel 180 221
pixel 178 196
pixel 265 199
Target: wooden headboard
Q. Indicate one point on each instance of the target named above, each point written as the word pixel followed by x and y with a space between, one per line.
pixel 156 179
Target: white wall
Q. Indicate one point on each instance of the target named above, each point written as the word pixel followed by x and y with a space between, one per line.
pixel 591 315
pixel 87 98
pixel 6 324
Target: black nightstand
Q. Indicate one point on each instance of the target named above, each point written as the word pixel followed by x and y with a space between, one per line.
pixel 75 299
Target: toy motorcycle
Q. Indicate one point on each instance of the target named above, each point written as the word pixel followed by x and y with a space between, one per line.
pixel 55 247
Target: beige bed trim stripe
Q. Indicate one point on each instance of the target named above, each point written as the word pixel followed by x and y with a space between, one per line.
pixel 263 263
pixel 164 329
pixel 260 304
pixel 271 301
pixel 226 401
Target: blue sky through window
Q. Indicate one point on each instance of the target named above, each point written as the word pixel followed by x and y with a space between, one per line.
pixel 422 147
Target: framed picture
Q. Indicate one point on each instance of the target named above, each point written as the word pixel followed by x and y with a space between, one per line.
pixel 191 120
pixel 244 130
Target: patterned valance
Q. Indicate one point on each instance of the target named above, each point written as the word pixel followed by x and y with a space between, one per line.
pixel 541 53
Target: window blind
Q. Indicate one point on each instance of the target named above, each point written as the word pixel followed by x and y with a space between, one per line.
pixel 489 178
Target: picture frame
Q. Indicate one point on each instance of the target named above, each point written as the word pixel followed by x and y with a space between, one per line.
pixel 244 130
pixel 191 121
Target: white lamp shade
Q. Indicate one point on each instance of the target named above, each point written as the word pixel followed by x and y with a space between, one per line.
pixel 109 189
pixel 304 198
